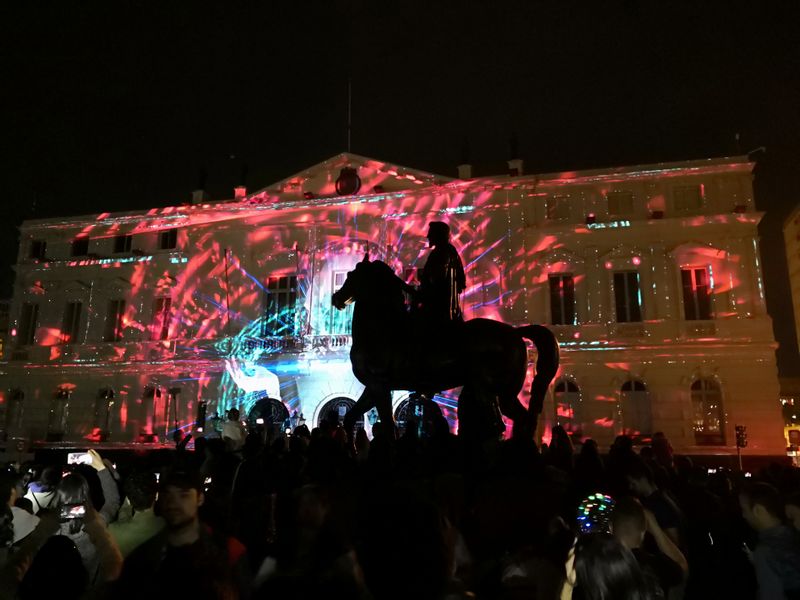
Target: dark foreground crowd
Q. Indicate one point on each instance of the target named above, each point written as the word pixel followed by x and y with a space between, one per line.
pixel 312 516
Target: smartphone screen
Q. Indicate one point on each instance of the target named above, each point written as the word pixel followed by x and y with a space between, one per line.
pixel 72 511
pixel 79 458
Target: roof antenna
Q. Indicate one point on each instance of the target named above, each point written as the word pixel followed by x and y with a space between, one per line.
pixel 349 110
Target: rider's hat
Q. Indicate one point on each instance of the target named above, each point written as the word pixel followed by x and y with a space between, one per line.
pixel 439 229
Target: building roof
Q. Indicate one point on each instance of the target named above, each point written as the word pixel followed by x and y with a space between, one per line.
pixel 316 186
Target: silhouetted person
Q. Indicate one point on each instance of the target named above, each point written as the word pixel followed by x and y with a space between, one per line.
pixel 670 518
pixel 56 572
pixel 141 489
pixel 561 450
pixel 442 279
pixel 233 432
pixel 589 469
pixel 792 509
pixel 776 557
pixel 601 568
pixel 665 564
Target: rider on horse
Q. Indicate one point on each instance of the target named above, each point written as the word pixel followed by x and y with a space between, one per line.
pixel 441 282
pixel 442 279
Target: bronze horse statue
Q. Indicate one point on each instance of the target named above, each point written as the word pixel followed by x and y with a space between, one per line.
pixel 393 350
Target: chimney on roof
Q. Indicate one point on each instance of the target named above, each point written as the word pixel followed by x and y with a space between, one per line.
pixel 465 167
pixel 199 195
pixel 515 164
pixel 240 191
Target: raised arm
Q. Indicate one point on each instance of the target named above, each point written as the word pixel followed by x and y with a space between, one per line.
pixel 665 543
pixel 110 489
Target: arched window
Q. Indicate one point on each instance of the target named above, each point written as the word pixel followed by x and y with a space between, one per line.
pixel 333 411
pixel 637 420
pixel 708 416
pixel 269 414
pixel 424 411
pixel 567 398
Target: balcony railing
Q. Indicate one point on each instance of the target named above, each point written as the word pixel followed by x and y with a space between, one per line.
pixel 156 351
pixel 627 330
pixel 699 328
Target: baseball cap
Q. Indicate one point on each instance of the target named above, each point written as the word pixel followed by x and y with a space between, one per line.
pixel 181 477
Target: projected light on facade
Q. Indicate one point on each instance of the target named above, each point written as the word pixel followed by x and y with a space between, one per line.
pixel 229 302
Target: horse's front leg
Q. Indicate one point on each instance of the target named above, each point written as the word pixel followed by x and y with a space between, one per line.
pixel 365 402
pixel 383 401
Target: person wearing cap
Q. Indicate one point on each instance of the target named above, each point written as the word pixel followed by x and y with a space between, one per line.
pixel 186 559
pixel 442 279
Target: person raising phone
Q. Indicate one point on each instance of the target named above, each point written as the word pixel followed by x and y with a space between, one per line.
pixel 80 522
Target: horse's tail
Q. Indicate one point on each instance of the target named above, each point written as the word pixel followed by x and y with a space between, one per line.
pixel 546 362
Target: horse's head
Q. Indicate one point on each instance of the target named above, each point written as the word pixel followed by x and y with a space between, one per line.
pixel 369 280
pixel 352 285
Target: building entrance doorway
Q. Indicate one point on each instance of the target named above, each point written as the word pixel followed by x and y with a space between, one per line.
pixel 268 414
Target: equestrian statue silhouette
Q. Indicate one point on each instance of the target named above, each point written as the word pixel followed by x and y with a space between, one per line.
pixel 394 350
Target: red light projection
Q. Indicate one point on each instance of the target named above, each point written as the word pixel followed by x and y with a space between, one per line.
pixel 249 281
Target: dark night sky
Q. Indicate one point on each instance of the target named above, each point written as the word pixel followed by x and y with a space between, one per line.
pixel 107 111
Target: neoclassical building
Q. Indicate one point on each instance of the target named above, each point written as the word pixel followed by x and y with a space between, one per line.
pixel 128 326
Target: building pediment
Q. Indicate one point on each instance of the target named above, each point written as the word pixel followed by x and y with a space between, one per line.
pixel 348 174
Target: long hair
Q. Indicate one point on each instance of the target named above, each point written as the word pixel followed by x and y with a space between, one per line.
pixel 6 526
pixel 607 570
pixel 74 489
pixel 56 572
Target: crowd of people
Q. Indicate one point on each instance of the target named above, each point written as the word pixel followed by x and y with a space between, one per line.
pixel 312 515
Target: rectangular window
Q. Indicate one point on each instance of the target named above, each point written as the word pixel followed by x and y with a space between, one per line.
pixel 70 324
pixel 80 246
pixel 114 321
pixel 280 306
pixel 28 321
pixel 696 294
pixel 627 296
pixel 161 318
pixel 562 299
pixel 38 249
pixel 620 203
pixel 557 208
pixel 688 198
pixel 168 239
pixel 122 243
pixel 341 320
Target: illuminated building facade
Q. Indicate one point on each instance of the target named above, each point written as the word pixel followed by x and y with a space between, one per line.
pixel 791 239
pixel 129 325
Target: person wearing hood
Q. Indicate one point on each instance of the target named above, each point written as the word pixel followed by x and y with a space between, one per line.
pixel 42 492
